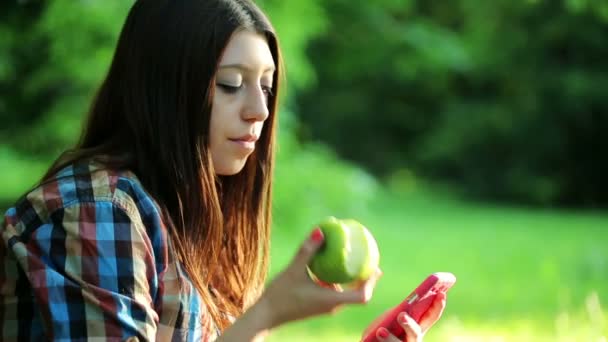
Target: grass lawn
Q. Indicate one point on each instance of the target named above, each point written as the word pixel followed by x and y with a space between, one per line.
pixel 523 274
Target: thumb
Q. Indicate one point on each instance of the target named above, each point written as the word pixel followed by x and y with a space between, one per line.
pixel 308 249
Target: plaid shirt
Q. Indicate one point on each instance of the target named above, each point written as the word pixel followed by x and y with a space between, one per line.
pixel 86 256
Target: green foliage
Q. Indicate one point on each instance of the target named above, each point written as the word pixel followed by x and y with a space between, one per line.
pixel 56 60
pixel 503 99
pixel 312 183
pixel 294 38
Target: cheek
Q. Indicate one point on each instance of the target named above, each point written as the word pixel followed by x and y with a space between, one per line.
pixel 217 123
pixel 224 111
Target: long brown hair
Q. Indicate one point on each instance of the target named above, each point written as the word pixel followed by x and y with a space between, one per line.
pixel 151 115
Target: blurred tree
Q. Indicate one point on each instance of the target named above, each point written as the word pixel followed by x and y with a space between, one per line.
pixel 20 56
pixel 505 99
pixel 52 62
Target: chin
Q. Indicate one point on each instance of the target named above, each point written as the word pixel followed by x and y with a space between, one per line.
pixel 230 169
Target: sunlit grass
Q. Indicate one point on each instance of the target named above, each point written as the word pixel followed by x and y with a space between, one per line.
pixel 523 274
pixel 588 325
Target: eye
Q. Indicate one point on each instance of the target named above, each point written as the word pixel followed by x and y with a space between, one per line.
pixel 229 88
pixel 267 90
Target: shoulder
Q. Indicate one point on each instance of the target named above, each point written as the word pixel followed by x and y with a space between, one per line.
pixel 86 185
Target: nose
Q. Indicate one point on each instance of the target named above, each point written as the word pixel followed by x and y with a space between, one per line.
pixel 256 108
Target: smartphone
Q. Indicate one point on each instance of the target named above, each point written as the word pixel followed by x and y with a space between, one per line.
pixel 416 304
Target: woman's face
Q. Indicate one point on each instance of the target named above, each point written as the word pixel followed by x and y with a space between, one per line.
pixel 242 86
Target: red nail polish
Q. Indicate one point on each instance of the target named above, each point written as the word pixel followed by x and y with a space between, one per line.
pixel 382 333
pixel 402 318
pixel 317 235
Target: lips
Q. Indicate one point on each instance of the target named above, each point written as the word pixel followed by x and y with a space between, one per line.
pixel 246 141
pixel 246 138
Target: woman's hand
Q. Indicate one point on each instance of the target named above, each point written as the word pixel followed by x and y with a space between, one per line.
pixel 293 295
pixel 414 332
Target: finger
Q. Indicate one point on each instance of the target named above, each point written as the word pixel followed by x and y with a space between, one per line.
pixel 362 294
pixel 370 285
pixel 413 332
pixel 434 312
pixel 331 286
pixel 373 279
pixel 335 287
pixel 382 334
pixel 377 321
pixel 308 249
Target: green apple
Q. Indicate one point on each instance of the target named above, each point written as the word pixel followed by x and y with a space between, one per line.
pixel 349 252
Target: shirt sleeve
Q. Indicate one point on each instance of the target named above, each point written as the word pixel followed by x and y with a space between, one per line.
pixel 92 273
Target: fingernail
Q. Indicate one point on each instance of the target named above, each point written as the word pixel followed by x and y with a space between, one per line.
pixel 317 235
pixel 382 333
pixel 402 318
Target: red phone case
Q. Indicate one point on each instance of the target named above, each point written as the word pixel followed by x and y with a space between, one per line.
pixel 416 304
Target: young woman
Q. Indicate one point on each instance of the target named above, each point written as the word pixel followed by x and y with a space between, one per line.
pixel 156 225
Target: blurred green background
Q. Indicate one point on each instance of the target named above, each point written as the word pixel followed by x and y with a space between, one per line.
pixel 468 135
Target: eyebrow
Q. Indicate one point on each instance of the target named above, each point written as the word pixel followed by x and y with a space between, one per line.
pixel 244 67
